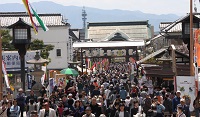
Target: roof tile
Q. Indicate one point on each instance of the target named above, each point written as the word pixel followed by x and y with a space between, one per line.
pixel 8 18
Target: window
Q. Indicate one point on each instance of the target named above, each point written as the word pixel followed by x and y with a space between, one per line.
pixel 58 52
pixel 20 33
pixel 187 27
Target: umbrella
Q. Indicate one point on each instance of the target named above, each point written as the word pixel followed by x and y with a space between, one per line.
pixel 69 71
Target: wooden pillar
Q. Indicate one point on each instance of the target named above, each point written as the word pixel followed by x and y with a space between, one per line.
pixel 127 55
pixel 1 79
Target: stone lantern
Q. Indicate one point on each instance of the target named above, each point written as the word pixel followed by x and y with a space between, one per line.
pixel 38 72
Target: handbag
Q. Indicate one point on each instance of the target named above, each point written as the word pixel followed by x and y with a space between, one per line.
pixel 2 112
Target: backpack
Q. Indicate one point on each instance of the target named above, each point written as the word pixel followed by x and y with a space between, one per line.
pixel 197 103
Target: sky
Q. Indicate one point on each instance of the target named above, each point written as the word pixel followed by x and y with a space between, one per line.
pixel 178 7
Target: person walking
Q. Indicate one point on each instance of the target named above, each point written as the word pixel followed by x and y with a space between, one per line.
pixel 122 112
pixel 175 102
pixel 185 108
pixel 180 111
pixel 21 101
pixel 14 109
pixel 47 111
pixel 196 105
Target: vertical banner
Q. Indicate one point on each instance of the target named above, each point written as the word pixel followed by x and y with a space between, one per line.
pixel 51 85
pixel 186 84
pixel 197 56
pixel 5 74
pixel 197 47
pixel 29 80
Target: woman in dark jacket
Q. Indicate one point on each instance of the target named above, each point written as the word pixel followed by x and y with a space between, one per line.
pixel 121 111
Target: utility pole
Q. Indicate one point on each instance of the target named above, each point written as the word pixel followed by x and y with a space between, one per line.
pixel 1 79
pixel 191 41
pixel 84 18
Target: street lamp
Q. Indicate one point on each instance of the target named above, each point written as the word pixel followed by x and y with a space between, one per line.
pixel 21 41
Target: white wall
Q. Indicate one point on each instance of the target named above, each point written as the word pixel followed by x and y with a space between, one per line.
pixel 57 36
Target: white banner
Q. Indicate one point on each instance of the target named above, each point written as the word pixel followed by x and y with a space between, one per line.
pixel 5 74
pixel 12 58
pixel 186 84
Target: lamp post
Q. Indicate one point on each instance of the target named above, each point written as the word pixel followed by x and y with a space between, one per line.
pixel 21 40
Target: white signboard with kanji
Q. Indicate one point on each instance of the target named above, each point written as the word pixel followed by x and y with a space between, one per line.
pixel 186 84
pixel 12 58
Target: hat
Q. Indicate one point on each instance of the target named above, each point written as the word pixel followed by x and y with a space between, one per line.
pixel 182 100
pixel 70 94
pixel 88 108
pixel 178 91
pixel 20 89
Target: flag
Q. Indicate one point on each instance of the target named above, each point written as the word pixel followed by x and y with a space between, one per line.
pixel 29 80
pixel 30 15
pixel 51 84
pixel 44 27
pixel 197 47
pixel 93 66
pixel 90 64
pixel 5 74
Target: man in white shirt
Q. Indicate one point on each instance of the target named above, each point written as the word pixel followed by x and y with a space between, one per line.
pixel 47 111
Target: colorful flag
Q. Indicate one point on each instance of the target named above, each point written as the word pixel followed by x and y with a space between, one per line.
pixel 44 27
pixel 197 47
pixel 30 15
pixel 93 66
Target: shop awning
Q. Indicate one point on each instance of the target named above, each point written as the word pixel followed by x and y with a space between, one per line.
pixel 108 44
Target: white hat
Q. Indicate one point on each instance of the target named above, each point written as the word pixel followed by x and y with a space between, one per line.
pixel 178 91
pixel 70 94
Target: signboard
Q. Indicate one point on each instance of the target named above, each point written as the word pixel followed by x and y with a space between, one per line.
pixel 12 58
pixel 186 84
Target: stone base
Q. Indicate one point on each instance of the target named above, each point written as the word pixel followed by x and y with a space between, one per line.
pixel 36 88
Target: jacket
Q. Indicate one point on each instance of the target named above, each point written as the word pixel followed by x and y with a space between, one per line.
pixel 52 113
pixel 175 102
pixel 168 105
pixel 126 114
pixel 14 111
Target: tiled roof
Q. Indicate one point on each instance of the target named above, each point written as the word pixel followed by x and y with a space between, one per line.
pixel 175 26
pixel 118 23
pixel 8 18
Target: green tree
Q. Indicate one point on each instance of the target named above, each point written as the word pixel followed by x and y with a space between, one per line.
pixel 6 40
pixel 44 49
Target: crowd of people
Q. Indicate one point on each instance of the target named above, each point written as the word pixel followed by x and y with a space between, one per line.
pixel 110 93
